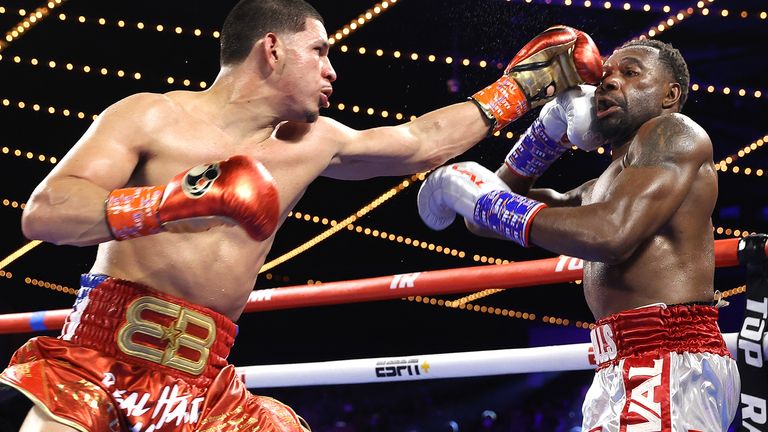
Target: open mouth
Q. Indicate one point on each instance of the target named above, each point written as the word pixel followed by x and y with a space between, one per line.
pixel 606 107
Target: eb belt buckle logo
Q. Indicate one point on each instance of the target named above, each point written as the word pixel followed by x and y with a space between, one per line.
pixel 176 335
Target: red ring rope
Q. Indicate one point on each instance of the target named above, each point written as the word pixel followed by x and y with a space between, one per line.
pixel 428 283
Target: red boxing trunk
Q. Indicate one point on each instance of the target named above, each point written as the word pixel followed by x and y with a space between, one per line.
pixel 133 359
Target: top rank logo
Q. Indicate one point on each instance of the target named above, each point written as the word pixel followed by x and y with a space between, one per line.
pixel 406 280
pixel 569 263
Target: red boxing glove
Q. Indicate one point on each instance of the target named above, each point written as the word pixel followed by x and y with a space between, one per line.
pixel 557 59
pixel 238 190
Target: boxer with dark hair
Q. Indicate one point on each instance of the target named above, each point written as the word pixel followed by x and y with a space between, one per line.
pixel 183 193
pixel 643 228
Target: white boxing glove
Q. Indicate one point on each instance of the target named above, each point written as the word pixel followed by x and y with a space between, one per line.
pixel 562 122
pixel 455 189
pixel 571 114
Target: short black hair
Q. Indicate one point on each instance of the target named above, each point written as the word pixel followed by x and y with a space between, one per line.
pixel 250 20
pixel 672 59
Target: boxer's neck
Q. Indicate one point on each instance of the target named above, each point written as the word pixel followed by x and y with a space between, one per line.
pixel 241 106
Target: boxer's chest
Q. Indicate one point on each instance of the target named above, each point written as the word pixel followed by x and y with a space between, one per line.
pixel 604 184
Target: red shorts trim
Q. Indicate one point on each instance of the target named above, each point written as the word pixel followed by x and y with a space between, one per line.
pixel 653 330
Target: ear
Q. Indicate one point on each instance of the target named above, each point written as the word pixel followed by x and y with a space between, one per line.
pixel 271 49
pixel 672 95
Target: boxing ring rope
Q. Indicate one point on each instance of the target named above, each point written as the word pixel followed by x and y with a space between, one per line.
pixel 557 358
pixel 428 283
pixel 412 367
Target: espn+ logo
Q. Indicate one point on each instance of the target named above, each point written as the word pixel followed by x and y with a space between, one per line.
pixel 400 368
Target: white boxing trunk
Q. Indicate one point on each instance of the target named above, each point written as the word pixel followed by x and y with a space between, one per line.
pixel 661 369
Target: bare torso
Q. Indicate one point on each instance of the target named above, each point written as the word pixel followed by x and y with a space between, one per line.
pixel 216 268
pixel 674 265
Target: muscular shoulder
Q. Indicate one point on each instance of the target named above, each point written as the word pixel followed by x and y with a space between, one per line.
pixel 144 111
pixel 669 138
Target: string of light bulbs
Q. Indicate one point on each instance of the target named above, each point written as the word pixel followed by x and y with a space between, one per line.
pixel 509 313
pixel 66 112
pixel 50 286
pixel 432 58
pixel 398 54
pixel 723 165
pixel 28 155
pixel 96 70
pixel 414 56
pixel 401 239
pixel 677 18
pixel 357 109
pixel 361 20
pixel 140 25
pixel 29 20
pixel 733 232
pixel 727 90
pixel 341 225
pixel 624 5
pixel 748 171
pixel 13 204
pixel 702 9
pixel 343 32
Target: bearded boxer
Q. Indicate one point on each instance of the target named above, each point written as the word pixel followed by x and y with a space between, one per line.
pixel 643 228
pixel 195 185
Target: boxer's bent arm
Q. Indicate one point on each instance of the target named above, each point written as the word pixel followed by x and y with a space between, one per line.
pixel 68 206
pixel 641 199
pixel 421 144
pixel 552 198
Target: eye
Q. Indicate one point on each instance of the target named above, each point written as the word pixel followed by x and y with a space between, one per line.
pixel 631 72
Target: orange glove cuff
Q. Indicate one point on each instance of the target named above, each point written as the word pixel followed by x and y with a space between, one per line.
pixel 132 212
pixel 502 101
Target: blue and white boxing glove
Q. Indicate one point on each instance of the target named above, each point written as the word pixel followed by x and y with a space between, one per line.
pixel 562 122
pixel 473 191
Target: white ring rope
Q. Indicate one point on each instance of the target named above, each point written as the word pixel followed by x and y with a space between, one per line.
pixel 433 366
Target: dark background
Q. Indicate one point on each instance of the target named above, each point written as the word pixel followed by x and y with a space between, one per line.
pixel 721 51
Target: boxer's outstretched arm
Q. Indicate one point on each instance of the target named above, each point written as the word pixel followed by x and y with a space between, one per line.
pixel 67 207
pixel 556 59
pixel 421 144
pixel 666 156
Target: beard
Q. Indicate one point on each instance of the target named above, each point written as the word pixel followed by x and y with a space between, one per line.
pixel 311 116
pixel 614 129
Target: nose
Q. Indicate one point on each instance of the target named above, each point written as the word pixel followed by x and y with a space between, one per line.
pixel 610 82
pixel 328 72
